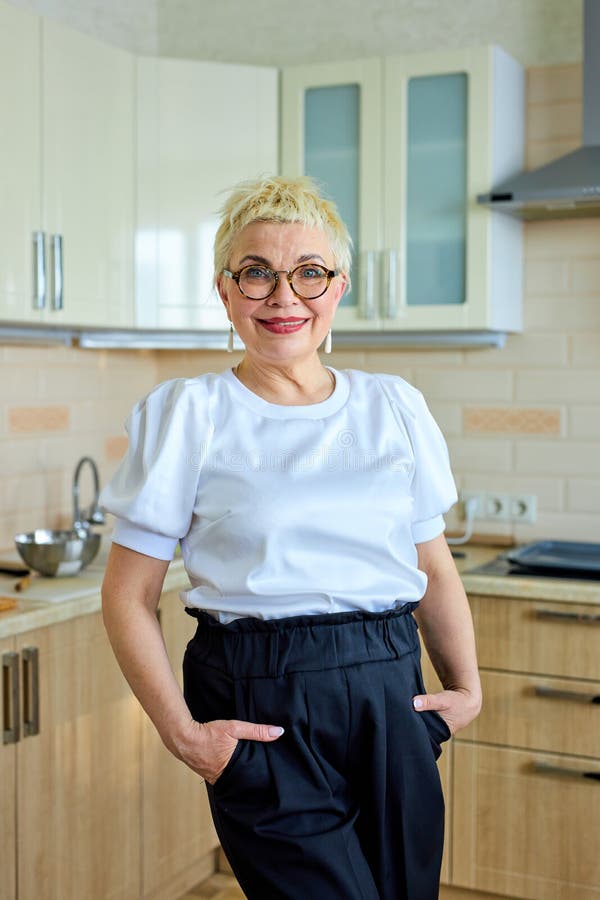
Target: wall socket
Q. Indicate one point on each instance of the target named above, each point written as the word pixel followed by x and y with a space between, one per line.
pixel 496 506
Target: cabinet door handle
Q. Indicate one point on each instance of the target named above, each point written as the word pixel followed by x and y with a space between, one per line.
pixel 543 768
pixel 559 694
pixel 39 270
pixel 587 618
pixel 56 247
pixel 31 691
pixel 389 265
pixel 10 698
pixel 367 293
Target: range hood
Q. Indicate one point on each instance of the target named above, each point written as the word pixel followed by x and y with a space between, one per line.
pixel 568 187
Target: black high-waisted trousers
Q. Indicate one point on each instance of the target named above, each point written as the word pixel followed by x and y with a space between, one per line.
pixel 347 804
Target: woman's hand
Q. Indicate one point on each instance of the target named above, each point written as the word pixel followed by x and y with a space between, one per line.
pixel 207 747
pixel 457 707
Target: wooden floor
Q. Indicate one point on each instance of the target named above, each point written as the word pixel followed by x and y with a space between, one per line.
pixel 224 887
pixel 218 887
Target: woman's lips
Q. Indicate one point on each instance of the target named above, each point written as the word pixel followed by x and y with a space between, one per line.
pixel 283 326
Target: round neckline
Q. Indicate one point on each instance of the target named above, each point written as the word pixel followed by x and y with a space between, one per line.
pixel 331 404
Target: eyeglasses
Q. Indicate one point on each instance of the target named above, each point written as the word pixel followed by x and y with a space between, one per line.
pixel 308 281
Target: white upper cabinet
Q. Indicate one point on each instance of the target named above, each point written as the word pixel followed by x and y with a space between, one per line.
pixel 20 168
pixel 66 176
pixel 202 127
pixel 404 145
pixel 88 116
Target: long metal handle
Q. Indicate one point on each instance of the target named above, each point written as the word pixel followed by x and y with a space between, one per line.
pixel 390 283
pixel 31 691
pixel 587 618
pixel 559 694
pixel 56 246
pixel 543 768
pixel 39 270
pixel 367 272
pixel 10 698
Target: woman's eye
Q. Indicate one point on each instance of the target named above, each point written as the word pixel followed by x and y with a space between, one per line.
pixel 311 272
pixel 257 273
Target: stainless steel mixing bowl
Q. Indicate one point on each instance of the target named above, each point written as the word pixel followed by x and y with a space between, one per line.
pixel 56 552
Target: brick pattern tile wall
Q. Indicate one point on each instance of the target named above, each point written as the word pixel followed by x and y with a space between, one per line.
pixel 524 418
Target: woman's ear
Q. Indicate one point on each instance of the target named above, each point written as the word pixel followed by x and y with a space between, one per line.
pixel 220 288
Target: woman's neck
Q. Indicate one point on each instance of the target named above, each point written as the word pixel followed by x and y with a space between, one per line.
pixel 290 384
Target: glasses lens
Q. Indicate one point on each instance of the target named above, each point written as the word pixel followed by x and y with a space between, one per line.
pixel 309 281
pixel 256 282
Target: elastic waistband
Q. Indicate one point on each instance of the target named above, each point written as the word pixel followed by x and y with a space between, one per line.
pixel 255 648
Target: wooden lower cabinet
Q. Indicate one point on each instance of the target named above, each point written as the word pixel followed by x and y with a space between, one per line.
pixel 77 780
pixel 178 835
pixel 8 774
pixel 526 824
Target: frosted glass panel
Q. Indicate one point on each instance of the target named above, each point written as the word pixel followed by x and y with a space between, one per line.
pixel 331 154
pixel 436 195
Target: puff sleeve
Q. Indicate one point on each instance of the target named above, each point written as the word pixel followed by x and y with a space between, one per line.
pixel 433 487
pixel 433 490
pixel 153 492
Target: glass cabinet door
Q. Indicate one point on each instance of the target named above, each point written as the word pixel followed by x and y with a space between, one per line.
pixel 331 130
pixel 436 197
pixel 435 137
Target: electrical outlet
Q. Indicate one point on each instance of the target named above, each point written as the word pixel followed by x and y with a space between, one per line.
pixel 479 498
pixel 497 507
pixel 523 508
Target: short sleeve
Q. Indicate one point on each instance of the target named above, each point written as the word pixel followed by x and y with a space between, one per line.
pixel 432 487
pixel 153 492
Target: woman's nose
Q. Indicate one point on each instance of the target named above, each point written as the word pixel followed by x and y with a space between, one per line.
pixel 283 293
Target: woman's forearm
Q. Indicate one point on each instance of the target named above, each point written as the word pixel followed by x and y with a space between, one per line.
pixel 445 621
pixel 129 611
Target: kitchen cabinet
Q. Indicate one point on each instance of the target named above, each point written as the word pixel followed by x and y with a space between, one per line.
pixel 403 145
pixel 66 220
pixel 526 772
pixel 178 832
pixel 9 710
pixel 72 785
pixel 20 154
pixel 202 127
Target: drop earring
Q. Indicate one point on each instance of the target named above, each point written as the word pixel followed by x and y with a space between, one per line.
pixel 327 348
pixel 230 339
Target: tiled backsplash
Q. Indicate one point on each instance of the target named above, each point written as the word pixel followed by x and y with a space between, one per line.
pixel 525 418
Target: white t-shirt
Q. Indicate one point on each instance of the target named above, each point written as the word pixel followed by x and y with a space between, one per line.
pixel 285 510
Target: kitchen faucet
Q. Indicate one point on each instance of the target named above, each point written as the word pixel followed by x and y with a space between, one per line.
pixel 82 519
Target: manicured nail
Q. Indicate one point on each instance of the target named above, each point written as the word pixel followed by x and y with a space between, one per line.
pixel 417 703
pixel 276 731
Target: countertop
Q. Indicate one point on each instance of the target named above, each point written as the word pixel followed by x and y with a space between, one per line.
pixel 50 600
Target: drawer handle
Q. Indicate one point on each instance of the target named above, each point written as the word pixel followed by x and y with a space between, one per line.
pixel 31 692
pixel 559 694
pixel 567 616
pixel 543 768
pixel 10 698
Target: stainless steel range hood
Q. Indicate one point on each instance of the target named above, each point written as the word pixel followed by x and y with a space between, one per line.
pixel 568 187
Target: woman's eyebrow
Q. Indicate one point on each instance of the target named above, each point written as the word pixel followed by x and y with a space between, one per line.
pixel 252 257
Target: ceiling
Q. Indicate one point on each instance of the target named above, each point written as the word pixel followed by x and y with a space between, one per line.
pixel 283 32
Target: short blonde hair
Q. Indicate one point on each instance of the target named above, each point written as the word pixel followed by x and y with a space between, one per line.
pixel 277 198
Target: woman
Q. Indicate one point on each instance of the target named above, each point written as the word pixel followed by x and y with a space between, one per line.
pixel 308 503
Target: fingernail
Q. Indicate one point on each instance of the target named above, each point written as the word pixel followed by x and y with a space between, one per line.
pixel 276 731
pixel 417 703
